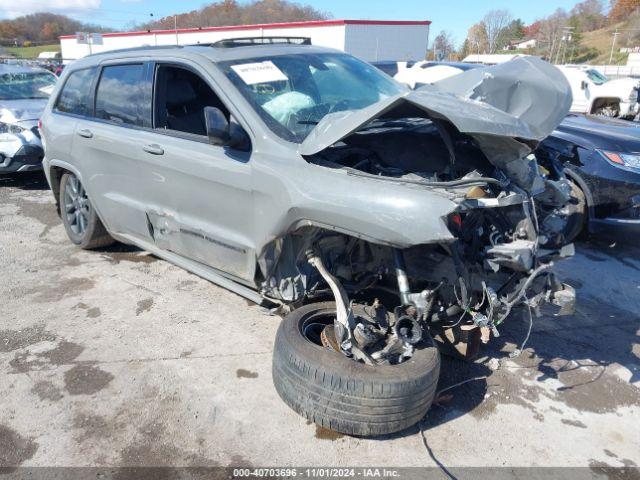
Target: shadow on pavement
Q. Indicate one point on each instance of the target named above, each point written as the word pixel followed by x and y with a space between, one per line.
pixel 24 181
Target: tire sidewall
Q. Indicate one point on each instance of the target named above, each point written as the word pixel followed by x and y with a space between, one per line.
pixel 424 360
pixel 80 240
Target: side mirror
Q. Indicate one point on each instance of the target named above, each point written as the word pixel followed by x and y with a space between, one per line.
pixel 584 85
pixel 217 126
pixel 223 133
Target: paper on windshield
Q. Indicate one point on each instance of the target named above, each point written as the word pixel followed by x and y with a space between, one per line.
pixel 259 72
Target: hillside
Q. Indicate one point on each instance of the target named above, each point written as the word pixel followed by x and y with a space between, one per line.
pixel 601 40
pixel 31 52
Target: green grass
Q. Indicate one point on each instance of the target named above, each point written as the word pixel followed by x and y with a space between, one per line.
pixel 31 52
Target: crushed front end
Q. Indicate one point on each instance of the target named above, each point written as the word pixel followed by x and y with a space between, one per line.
pixel 452 166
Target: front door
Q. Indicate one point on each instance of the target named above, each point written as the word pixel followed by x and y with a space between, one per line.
pixel 198 196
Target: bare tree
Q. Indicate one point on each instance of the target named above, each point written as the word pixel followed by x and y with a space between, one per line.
pixel 443 45
pixel 496 25
pixel 551 32
pixel 477 39
pixel 589 15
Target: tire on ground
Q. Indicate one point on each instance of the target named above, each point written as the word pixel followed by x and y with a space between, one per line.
pixel 577 213
pixel 95 235
pixel 347 396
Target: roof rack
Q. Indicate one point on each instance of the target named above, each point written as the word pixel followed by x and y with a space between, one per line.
pixel 135 49
pixel 251 41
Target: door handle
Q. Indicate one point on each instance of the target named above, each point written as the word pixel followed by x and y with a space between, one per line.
pixel 153 149
pixel 85 133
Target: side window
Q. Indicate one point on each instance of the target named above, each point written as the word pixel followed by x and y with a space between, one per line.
pixel 122 95
pixel 180 98
pixel 76 95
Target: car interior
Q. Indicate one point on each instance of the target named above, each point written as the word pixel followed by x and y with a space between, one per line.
pixel 181 97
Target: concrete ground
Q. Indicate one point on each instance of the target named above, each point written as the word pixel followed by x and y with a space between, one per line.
pixel 114 357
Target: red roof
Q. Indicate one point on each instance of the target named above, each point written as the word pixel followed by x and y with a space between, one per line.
pixel 312 23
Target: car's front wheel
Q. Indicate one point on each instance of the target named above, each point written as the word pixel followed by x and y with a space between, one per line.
pixel 80 219
pixel 344 395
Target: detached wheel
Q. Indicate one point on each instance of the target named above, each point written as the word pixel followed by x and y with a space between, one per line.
pixel 341 394
pixel 79 218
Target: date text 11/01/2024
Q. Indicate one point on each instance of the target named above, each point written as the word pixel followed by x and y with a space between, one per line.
pixel 317 472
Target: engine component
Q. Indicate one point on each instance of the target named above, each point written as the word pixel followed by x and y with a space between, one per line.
pixel 408 330
pixel 344 314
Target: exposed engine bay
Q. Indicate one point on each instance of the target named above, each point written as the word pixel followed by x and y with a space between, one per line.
pixel 506 229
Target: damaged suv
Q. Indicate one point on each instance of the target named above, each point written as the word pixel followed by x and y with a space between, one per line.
pixel 385 224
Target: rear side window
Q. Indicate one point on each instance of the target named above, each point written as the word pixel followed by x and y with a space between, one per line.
pixel 123 95
pixel 76 94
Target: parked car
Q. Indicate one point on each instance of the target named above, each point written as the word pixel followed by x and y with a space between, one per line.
pixel 380 218
pixel 595 93
pixel 24 92
pixel 391 68
pixel 602 157
pixel 428 72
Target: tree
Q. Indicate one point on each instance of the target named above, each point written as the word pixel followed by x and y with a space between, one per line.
pixel 231 12
pixel 532 31
pixel 443 46
pixel 589 15
pixel 477 38
pixel 496 25
pixel 550 33
pixel 41 28
pixel 621 9
pixel 516 30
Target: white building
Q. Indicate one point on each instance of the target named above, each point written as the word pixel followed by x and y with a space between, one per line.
pixel 370 40
pixel 524 44
pixel 492 58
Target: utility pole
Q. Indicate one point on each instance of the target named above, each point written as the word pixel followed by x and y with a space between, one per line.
pixel 613 43
pixel 175 26
pixel 566 38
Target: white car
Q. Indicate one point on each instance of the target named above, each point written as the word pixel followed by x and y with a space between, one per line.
pixel 595 93
pixel 24 92
pixel 427 72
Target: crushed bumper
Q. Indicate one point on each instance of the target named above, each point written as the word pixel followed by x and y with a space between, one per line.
pixel 27 158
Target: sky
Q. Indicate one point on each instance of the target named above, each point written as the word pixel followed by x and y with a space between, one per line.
pixel 455 16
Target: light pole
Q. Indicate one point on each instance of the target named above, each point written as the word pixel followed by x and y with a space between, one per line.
pixel 175 26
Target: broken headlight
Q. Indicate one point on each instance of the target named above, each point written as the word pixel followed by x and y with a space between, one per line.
pixel 628 161
pixel 8 131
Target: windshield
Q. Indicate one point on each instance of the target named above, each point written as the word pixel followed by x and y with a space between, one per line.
pixel 23 85
pixel 596 77
pixel 292 93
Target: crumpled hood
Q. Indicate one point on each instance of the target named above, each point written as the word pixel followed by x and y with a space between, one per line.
pixel 12 111
pixel 524 99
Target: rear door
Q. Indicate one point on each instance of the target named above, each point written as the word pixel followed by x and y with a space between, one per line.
pixel 108 147
pixel 198 196
pixel 74 102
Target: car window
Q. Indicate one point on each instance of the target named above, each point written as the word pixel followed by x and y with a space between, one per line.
pixel 122 95
pixel 76 94
pixel 596 77
pixel 25 85
pixel 181 96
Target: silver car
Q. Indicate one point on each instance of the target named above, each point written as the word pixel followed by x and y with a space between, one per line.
pixel 24 92
pixel 385 225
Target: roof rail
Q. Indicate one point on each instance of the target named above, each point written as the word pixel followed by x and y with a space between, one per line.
pixel 252 41
pixel 133 49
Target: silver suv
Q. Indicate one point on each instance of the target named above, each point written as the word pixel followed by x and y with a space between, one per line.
pixel 386 225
